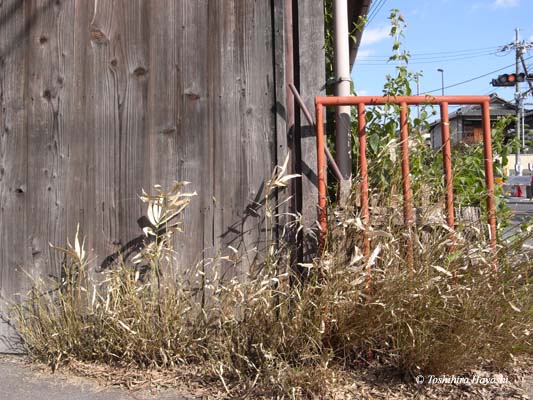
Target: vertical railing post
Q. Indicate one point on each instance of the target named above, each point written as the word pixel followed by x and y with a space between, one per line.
pixel 408 216
pixel 321 174
pixel 363 169
pixel 489 173
pixel 408 207
pixel 363 166
pixel 447 161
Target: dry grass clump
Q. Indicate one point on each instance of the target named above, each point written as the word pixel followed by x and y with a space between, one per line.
pixel 447 312
pixel 276 334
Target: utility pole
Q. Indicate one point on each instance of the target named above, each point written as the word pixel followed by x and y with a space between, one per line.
pixel 514 80
pixel 441 80
pixel 518 49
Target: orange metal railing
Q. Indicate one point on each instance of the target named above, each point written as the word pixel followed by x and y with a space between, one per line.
pixel 404 101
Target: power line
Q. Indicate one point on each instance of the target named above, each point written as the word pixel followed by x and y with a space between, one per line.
pixel 372 11
pixel 440 53
pixel 475 78
pixel 458 51
pixel 431 60
pixel 362 63
pixel 375 11
pixel 439 57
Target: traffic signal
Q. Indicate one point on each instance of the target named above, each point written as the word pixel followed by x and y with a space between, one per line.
pixel 508 79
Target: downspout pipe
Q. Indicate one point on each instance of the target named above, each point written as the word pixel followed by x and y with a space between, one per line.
pixel 342 88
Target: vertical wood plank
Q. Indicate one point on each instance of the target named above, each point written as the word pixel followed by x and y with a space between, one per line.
pixel 100 74
pixel 192 139
pixel 258 142
pixel 227 88
pixel 13 157
pixel 312 82
pixel 101 98
pixel 241 125
pixel 77 176
pixel 133 34
pixel 282 110
pixel 41 108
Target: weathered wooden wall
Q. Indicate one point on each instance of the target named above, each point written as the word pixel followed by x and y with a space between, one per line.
pixel 101 98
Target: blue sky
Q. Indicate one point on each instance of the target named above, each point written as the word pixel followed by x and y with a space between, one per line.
pixel 461 37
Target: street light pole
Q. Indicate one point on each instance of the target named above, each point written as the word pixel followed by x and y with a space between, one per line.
pixel 441 79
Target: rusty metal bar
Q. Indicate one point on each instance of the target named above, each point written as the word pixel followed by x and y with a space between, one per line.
pixel 409 100
pixel 447 161
pixel 408 218
pixel 489 173
pixel 404 101
pixel 363 166
pixel 321 174
pixel 406 179
pixel 307 114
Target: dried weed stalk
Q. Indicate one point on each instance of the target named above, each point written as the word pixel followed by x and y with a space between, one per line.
pixel 266 336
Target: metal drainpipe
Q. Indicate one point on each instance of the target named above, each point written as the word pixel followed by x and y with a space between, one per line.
pixel 342 88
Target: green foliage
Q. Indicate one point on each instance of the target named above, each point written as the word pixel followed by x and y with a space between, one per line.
pixel 328 40
pixel 426 164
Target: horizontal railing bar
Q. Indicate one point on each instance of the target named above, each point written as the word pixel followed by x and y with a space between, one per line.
pixel 404 101
pixel 409 100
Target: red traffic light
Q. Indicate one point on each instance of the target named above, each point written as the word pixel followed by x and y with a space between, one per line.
pixel 508 79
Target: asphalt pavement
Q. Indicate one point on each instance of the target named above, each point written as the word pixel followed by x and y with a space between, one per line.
pixel 20 381
pixel 522 212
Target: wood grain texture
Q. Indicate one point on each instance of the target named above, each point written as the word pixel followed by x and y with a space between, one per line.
pixel 281 109
pixel 13 154
pixel 102 98
pixel 312 82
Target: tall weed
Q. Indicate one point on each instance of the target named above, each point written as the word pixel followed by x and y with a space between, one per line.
pixel 275 335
